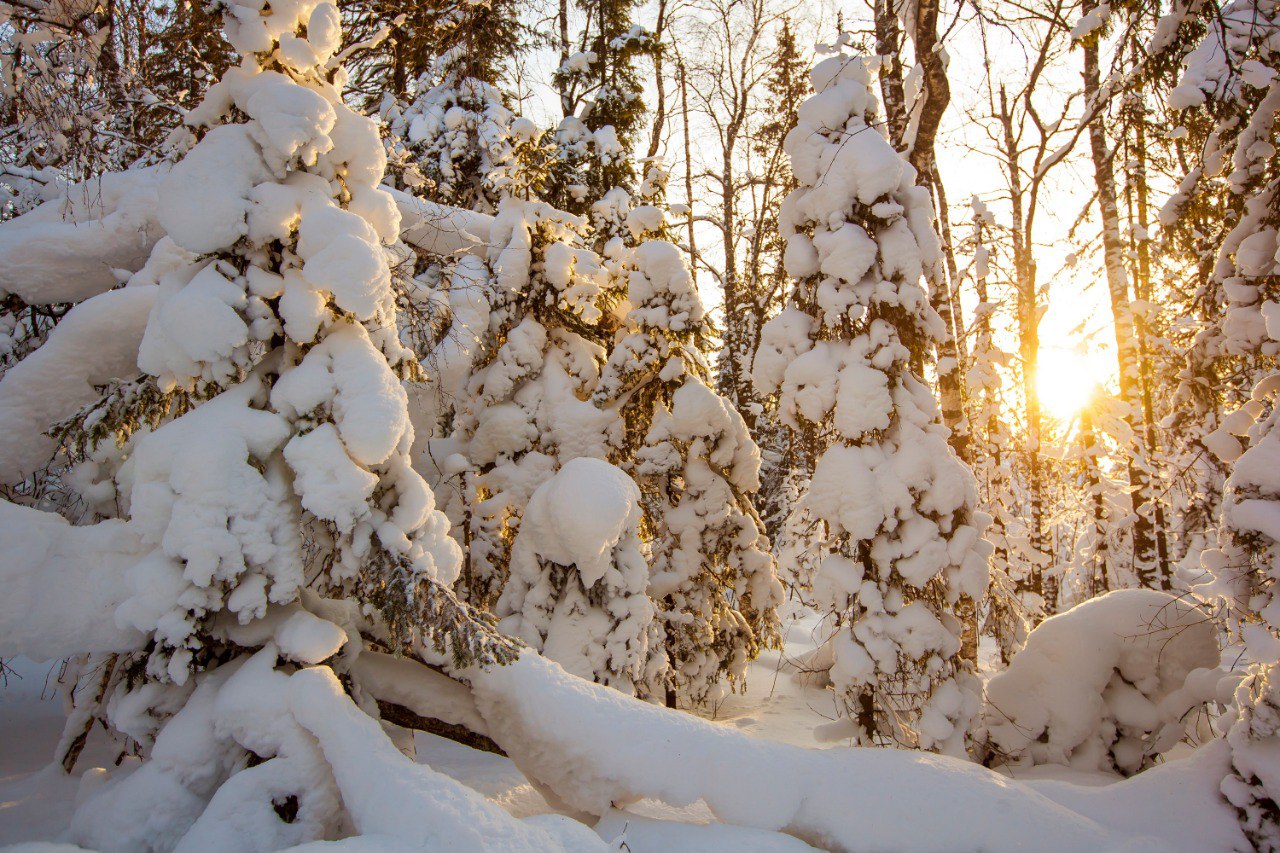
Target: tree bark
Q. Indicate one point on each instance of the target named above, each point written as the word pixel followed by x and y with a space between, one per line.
pixel 1140 486
pixel 889 46
pixel 1146 370
pixel 406 719
pixel 1028 349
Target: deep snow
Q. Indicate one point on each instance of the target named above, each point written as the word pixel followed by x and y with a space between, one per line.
pixel 1172 807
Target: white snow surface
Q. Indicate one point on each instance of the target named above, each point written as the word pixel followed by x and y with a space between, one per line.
pixel 62 585
pixel 70 248
pixel 889 800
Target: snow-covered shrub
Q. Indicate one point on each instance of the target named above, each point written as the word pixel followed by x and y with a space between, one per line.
pixel 321 769
pixel 714 582
pixel 896 504
pixel 1106 685
pixel 578 590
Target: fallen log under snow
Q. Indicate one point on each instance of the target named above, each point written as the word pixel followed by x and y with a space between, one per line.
pixel 594 747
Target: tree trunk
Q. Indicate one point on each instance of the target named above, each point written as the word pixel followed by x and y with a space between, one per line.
pixel 1028 350
pixel 660 107
pixel 889 46
pixel 1140 487
pixel 1093 483
pixel 1146 370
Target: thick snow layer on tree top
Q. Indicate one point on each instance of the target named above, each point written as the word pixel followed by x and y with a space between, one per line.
pixel 580 536
pixel 581 514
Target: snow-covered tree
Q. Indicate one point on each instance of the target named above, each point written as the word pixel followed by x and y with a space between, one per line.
pixel 540 320
pixel 994 452
pixel 714 581
pixel 457 142
pixel 272 518
pixel 578 590
pixel 1232 75
pixel 896 504
pixel 400 41
pixel 601 98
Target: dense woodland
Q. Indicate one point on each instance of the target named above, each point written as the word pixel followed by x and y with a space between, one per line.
pixel 371 367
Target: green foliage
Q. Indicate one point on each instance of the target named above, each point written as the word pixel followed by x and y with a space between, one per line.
pixel 590 160
pixel 122 410
pixel 415 607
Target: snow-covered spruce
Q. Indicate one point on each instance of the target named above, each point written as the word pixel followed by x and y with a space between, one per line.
pixel 1233 74
pixel 279 307
pixel 713 580
pixel 539 314
pixel 273 519
pixel 845 357
pixel 578 589
pixel 457 142
pixel 1106 685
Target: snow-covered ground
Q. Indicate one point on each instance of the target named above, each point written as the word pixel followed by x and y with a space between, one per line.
pixel 1172 807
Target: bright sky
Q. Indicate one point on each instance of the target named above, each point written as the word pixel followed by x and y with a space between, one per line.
pixel 1076 330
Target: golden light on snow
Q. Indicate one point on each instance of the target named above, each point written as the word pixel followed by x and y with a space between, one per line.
pixel 1065 381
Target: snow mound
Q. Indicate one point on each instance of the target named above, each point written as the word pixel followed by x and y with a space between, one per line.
pixel 323 758
pixel 1105 685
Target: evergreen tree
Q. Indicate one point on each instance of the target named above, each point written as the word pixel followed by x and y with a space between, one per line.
pixel 894 502
pixel 1231 76
pixel 457 142
pixel 402 43
pixel 268 484
pixel 578 589
pixel 542 319
pixel 601 95
pixel 713 579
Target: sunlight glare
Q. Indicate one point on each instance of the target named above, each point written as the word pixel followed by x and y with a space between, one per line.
pixel 1065 381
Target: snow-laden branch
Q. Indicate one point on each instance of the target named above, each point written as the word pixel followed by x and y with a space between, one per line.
pixel 439 229
pixel 85 241
pixel 96 342
pixel 69 249
pixel 313 738
pixel 62 584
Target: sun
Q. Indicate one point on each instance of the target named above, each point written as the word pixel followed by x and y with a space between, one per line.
pixel 1065 381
